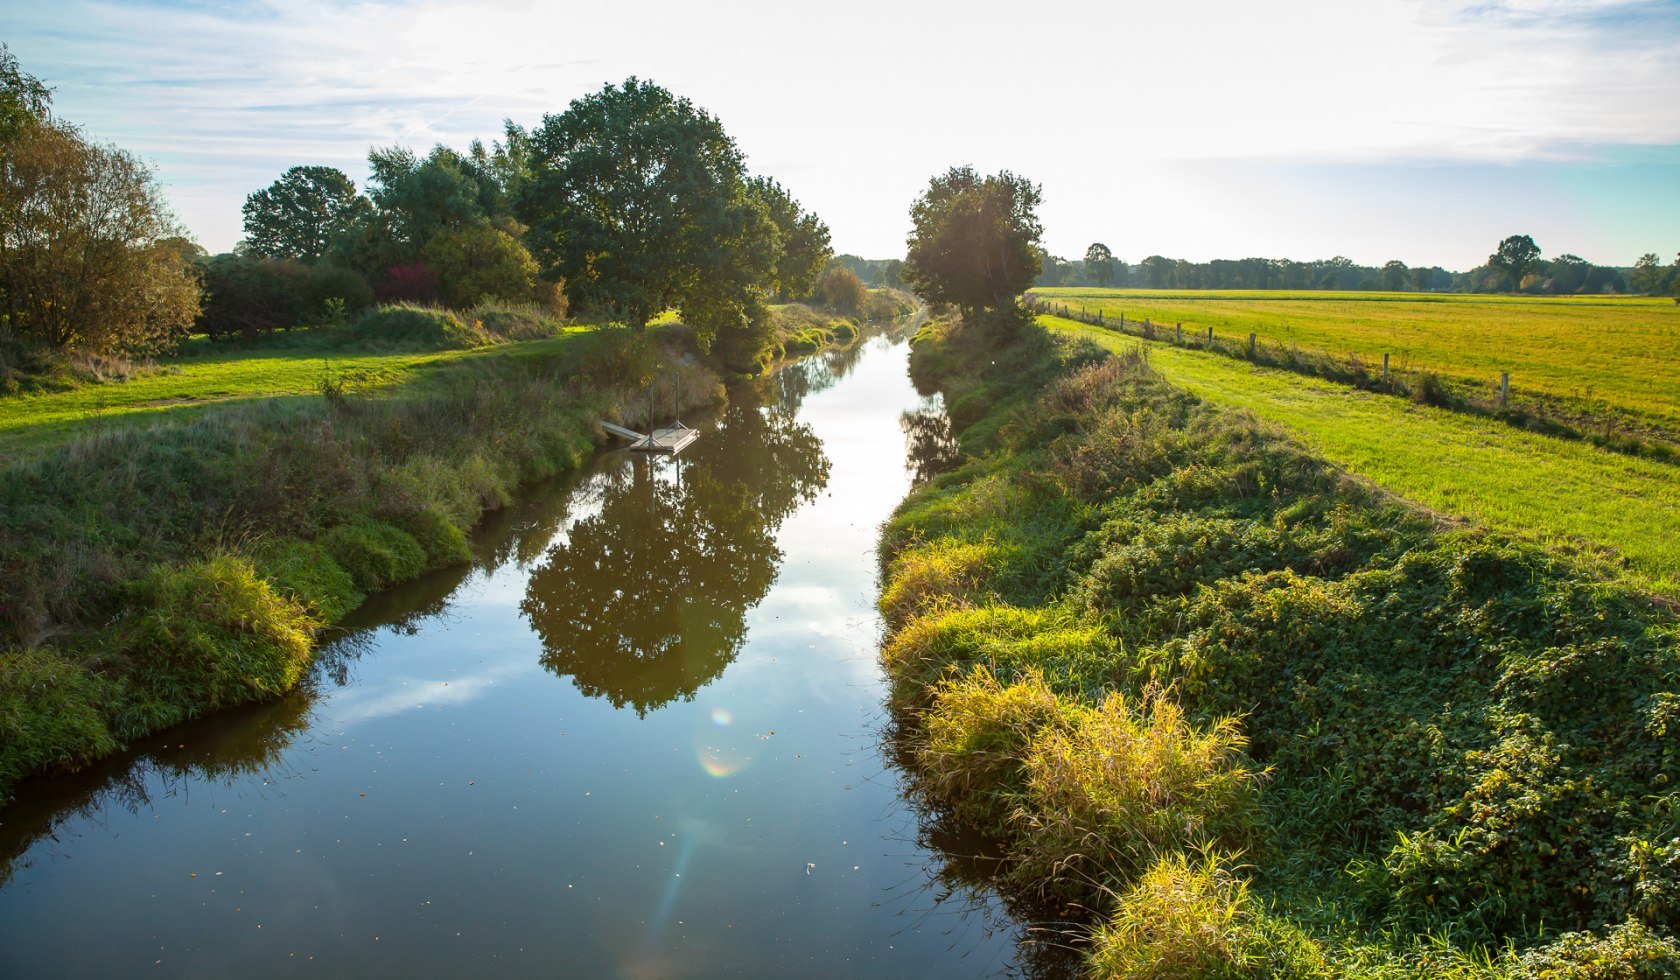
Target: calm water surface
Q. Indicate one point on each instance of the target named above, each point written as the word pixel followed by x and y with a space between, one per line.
pixel 639 738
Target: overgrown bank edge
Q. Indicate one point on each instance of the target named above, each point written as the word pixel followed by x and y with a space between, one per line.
pixel 1234 714
pixel 150 575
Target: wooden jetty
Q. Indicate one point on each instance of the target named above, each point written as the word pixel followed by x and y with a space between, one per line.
pixel 668 441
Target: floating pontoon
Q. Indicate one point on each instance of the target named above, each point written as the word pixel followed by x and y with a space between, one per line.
pixel 669 441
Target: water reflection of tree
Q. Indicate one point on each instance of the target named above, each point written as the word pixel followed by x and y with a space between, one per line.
pixel 931 449
pixel 227 748
pixel 645 601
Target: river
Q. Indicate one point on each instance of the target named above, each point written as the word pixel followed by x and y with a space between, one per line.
pixel 639 737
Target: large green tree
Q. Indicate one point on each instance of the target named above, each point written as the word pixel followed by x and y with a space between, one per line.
pixel 300 215
pixel 1099 263
pixel 975 240
pixel 1647 274
pixel 421 197
pixel 804 244
pixel 1516 257
pixel 639 200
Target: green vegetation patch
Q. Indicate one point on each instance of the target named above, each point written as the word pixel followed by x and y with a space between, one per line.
pixel 151 574
pixel 1261 719
pixel 1601 362
pixel 1561 493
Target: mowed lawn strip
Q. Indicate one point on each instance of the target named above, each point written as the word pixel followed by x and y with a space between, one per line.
pixel 1619 352
pixel 1551 490
pixel 181 384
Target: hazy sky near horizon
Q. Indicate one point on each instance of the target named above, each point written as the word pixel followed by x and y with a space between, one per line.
pixel 1424 130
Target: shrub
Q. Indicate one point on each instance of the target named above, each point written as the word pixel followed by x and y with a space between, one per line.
pixel 51 714
pixel 1630 951
pixel 247 296
pixel 478 263
pixel 414 282
pixel 1131 782
pixel 1429 389
pixel 209 634
pixel 839 288
pixel 305 572
pixel 93 261
pixel 416 326
pixel 375 554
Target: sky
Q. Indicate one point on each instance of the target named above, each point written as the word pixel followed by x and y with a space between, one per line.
pixel 1423 130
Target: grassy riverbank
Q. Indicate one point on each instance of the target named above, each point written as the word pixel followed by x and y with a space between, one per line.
pixel 1234 713
pixel 181 552
pixel 155 573
pixel 1559 492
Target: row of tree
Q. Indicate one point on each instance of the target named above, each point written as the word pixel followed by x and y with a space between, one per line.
pixel 631 202
pixel 1516 266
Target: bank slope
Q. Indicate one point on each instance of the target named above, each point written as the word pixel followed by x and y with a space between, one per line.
pixel 1558 491
pixel 1234 713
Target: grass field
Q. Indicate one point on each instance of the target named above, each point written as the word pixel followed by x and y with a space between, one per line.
pixel 1547 489
pixel 216 375
pixel 1609 353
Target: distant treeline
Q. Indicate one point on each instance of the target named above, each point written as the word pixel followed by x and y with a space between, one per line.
pixel 1566 274
pixel 876 273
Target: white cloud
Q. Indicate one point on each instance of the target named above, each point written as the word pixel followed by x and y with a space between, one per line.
pixel 854 106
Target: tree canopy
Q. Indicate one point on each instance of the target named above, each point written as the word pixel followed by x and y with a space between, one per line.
pixel 90 255
pixel 636 197
pixel 804 246
pixel 300 215
pixel 1516 257
pixel 24 99
pixel 1099 263
pixel 975 240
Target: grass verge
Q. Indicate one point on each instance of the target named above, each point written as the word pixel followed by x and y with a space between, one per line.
pixel 1237 713
pixel 1558 492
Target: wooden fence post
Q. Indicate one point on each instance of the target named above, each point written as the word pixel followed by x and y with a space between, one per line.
pixel 1385 369
pixel 1122 319
pixel 1210 336
pixel 1180 340
pixel 1250 345
pixel 1504 389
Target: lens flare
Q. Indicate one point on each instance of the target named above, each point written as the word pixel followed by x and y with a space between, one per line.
pixel 722 750
pixel 721 763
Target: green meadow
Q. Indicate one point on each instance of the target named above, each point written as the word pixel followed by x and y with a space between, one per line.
pixel 1556 491
pixel 211 374
pixel 1618 356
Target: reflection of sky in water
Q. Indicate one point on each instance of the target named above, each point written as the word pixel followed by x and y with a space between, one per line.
pixel 468 803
